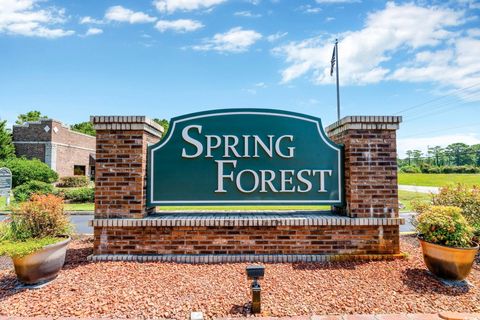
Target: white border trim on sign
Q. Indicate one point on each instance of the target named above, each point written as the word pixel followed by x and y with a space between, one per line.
pixel 273 113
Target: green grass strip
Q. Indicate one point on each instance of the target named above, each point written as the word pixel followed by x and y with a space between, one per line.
pixel 17 249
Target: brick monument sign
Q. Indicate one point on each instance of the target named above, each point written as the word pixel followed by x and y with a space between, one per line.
pixel 239 157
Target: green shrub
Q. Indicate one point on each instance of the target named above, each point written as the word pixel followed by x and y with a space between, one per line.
pixel 25 191
pixel 34 224
pixel 24 170
pixel 16 249
pixel 73 182
pixel 410 169
pixel 444 225
pixel 463 197
pixel 42 216
pixel 434 170
pixel 78 195
pixel 427 168
pixel 459 169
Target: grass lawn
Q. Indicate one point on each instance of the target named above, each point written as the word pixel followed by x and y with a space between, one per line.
pixel 437 180
pixel 241 208
pixel 68 206
pixel 406 198
pixel 79 206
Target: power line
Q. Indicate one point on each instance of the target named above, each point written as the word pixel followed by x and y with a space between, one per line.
pixel 444 129
pixel 442 108
pixel 436 99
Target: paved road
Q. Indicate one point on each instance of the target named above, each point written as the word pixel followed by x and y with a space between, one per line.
pixel 420 189
pixel 79 221
pixel 407 227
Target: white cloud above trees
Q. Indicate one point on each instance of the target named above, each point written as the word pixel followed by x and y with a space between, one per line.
pixel 90 20
pixel 180 25
pixel 235 40
pixel 121 14
pixel 337 1
pixel 29 18
pixel 424 36
pixel 93 32
pixel 170 6
pixel 423 143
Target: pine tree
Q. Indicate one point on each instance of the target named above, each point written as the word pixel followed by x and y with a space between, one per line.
pixel 7 150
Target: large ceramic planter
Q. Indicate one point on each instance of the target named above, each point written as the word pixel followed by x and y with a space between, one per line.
pixel 447 262
pixel 43 265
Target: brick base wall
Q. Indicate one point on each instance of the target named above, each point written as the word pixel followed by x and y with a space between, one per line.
pixel 302 240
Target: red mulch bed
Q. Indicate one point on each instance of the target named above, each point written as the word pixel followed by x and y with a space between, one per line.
pixel 169 290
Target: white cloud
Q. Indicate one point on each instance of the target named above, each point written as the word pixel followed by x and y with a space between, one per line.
pixel 276 36
pixel 26 18
pixel 422 144
pixel 474 32
pixel 255 88
pixel 363 54
pixel 247 14
pixel 336 1
pixel 121 14
pixel 457 66
pixel 170 6
pixel 234 40
pixel 93 32
pixel 309 9
pixel 90 20
pixel 180 25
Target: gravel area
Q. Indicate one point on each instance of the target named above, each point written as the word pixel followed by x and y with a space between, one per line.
pixel 5 263
pixel 169 290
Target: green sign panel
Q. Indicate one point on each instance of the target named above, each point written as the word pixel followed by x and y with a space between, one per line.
pixel 245 157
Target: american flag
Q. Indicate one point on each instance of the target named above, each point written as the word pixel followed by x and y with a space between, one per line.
pixel 332 62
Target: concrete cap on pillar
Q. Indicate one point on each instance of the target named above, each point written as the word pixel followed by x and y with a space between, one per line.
pixel 127 123
pixel 364 123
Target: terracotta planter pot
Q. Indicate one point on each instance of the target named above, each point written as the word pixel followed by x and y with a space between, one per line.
pixel 42 265
pixel 447 262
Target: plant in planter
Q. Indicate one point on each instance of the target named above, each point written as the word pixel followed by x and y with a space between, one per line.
pixel 447 241
pixel 36 236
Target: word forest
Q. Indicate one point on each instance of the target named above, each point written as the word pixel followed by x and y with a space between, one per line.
pixel 253 147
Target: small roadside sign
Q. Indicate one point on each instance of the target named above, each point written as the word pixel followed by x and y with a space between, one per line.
pixel 5 183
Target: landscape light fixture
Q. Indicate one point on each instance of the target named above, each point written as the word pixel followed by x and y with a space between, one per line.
pixel 255 273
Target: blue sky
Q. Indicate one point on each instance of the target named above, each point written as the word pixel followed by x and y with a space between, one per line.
pixel 163 58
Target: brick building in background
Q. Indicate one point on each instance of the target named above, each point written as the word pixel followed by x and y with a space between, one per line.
pixel 65 151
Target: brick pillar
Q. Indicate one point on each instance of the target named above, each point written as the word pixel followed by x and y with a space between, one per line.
pixel 120 167
pixel 371 188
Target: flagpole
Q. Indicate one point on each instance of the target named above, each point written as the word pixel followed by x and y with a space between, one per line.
pixel 338 89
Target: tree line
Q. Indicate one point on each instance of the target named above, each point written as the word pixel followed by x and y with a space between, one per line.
pixel 7 149
pixel 454 158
